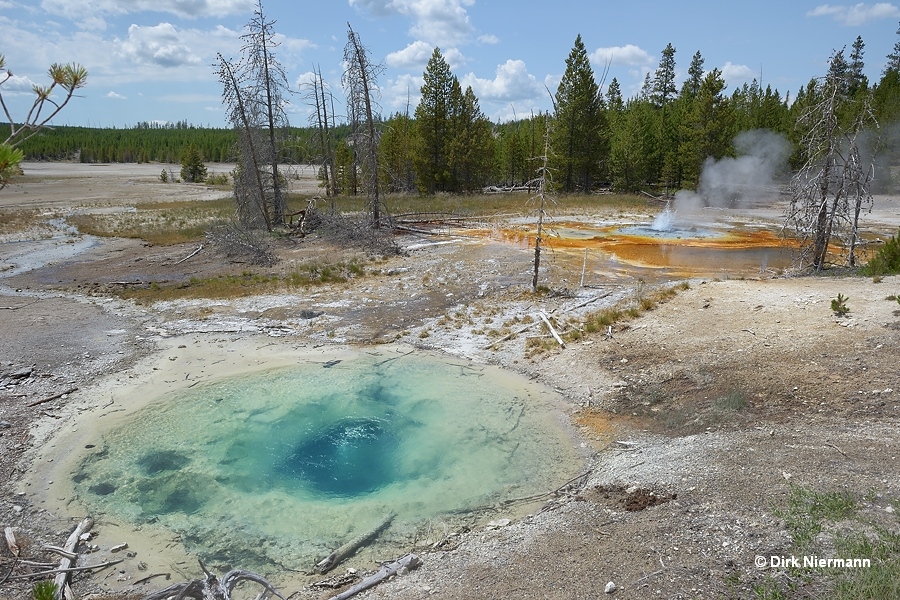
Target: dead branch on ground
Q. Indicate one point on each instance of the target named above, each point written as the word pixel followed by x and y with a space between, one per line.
pixel 407 563
pixel 211 587
pixel 333 559
pixel 54 397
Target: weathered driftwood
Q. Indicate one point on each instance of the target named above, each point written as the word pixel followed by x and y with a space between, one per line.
pixel 60 551
pixel 333 559
pixel 51 570
pixel 408 562
pixel 552 331
pixel 11 542
pixel 53 397
pixel 213 588
pixel 191 255
pixel 153 576
pixel 62 577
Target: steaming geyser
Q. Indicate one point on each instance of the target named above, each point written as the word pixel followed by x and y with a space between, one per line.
pixel 664 221
pixel 285 466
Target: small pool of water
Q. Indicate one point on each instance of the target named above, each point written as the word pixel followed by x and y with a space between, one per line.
pixel 285 466
pixel 658 250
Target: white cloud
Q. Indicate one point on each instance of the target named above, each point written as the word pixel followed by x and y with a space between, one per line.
pixel 454 58
pixel 92 23
pixel 187 9
pixel 115 96
pixel 857 14
pixel 414 55
pixel 305 79
pixel 489 39
pixel 438 22
pixel 17 84
pixel 159 45
pixel 734 74
pixel 628 55
pixel 512 82
pixel 403 93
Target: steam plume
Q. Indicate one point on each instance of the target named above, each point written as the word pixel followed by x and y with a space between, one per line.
pixel 729 182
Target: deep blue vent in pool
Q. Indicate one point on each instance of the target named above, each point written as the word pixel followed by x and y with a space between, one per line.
pixel 351 457
pixel 285 466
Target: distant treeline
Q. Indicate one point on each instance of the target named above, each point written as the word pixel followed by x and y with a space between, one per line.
pixel 149 142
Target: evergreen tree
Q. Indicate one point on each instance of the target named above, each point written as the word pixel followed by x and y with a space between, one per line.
pixel 886 97
pixel 472 145
pixel 192 168
pixel 397 154
pixel 893 59
pixel 577 135
pixel 707 127
pixel 858 80
pixel 614 102
pixel 692 84
pixel 631 145
pixel 433 125
pixel 662 92
pixel 663 89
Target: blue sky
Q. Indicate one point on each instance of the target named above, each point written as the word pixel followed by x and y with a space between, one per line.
pixel 150 60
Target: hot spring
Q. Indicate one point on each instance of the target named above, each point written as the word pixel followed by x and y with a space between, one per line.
pixel 664 248
pixel 282 467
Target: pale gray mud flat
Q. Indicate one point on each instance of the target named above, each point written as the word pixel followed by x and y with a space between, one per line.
pixel 699 420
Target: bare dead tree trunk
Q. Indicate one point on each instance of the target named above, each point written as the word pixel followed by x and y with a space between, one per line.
pixel 322 125
pixel 266 83
pixel 279 205
pixel 359 81
pixel 542 181
pixel 239 117
pixel 833 187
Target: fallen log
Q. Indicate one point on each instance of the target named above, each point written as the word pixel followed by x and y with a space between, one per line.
pixel 333 559
pixel 408 562
pixel 153 576
pixel 66 571
pixel 63 591
pixel 191 255
pixel 54 397
pixel 552 331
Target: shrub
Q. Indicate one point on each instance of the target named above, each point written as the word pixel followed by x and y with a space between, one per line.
pixel 10 159
pixel 839 305
pixel 44 590
pixel 887 260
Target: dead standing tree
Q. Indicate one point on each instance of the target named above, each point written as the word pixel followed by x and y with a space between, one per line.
pixel 542 182
pixel 249 187
pixel 268 85
pixel 360 82
pixel 320 96
pixel 253 93
pixel 833 187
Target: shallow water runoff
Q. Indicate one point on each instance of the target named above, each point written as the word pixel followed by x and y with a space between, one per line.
pixel 280 468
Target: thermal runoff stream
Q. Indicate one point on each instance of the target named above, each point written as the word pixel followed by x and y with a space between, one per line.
pixel 283 467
